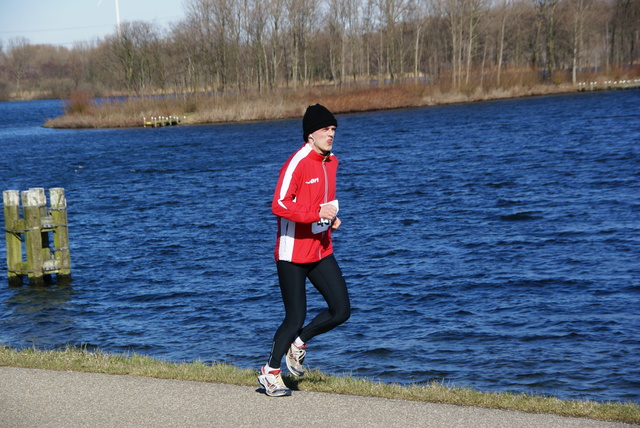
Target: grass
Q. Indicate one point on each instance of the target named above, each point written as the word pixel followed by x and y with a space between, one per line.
pixel 81 111
pixel 84 360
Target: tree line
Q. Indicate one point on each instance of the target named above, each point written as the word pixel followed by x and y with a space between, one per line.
pixel 229 46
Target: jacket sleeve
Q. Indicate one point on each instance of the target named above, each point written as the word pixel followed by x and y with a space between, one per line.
pixel 284 204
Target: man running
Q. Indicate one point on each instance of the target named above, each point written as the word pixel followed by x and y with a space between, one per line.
pixel 306 206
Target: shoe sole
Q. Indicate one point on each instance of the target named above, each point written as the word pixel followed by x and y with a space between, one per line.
pixel 276 393
pixel 293 370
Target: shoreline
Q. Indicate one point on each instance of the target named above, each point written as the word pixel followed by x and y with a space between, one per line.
pixel 62 399
pixel 83 112
pixel 73 359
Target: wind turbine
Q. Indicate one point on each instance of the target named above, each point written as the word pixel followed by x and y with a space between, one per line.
pixel 117 15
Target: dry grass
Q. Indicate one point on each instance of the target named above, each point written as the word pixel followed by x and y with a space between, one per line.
pixel 83 360
pixel 81 112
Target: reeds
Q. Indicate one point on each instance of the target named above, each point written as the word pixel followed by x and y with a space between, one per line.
pixel 82 112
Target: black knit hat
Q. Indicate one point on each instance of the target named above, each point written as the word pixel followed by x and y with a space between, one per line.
pixel 316 117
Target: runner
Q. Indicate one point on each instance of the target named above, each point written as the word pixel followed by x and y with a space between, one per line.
pixel 306 206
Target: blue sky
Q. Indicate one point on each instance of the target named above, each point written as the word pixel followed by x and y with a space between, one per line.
pixel 63 22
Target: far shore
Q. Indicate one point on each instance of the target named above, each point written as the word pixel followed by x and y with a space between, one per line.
pixel 82 111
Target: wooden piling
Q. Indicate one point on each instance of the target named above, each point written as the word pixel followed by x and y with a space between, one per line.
pixel 41 201
pixel 61 231
pixel 33 229
pixel 32 236
pixel 11 200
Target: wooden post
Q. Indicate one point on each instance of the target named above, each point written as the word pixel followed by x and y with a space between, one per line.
pixel 41 200
pixel 33 236
pixel 33 229
pixel 61 231
pixel 11 199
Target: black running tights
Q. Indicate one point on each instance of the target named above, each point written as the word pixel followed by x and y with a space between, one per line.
pixel 326 277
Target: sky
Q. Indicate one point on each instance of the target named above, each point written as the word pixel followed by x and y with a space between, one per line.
pixel 64 22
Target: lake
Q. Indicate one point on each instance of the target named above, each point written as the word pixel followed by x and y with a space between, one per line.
pixel 493 245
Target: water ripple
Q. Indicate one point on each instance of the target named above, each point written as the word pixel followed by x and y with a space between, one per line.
pixel 480 249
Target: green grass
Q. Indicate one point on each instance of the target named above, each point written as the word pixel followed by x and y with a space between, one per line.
pixel 83 360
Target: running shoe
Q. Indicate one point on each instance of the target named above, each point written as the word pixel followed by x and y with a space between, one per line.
pixel 273 384
pixel 295 358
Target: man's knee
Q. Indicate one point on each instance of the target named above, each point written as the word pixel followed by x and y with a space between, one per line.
pixel 342 315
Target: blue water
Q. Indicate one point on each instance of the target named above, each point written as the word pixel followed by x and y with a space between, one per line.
pixel 492 245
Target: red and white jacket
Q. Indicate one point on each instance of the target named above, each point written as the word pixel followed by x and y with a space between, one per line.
pixel 307 180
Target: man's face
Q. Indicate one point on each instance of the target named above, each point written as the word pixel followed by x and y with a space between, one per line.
pixel 322 139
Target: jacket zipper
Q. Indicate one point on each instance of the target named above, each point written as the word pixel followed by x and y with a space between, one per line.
pixel 326 191
pixel 326 183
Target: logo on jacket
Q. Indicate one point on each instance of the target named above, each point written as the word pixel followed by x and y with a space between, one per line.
pixel 313 180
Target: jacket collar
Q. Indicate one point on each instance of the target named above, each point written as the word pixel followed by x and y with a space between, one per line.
pixel 317 156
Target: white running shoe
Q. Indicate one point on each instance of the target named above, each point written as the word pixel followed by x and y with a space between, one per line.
pixel 273 384
pixel 295 358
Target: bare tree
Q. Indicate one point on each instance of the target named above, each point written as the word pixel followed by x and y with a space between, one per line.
pixel 351 50
pixel 581 7
pixel 241 45
pixel 136 53
pixel 419 10
pixel 256 28
pixel 183 64
pixel 504 12
pixel 301 14
pixel 452 11
pixel 4 84
pixel 547 31
pixel 391 13
pixel 226 37
pixel 276 34
pixel 474 9
pixel 625 32
pixel 200 24
pixel 510 16
pixel 342 18
pixel 18 60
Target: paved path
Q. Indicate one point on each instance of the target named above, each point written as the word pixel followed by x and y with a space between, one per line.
pixel 42 398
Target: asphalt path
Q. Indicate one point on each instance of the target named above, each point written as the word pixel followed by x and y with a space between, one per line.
pixel 42 398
